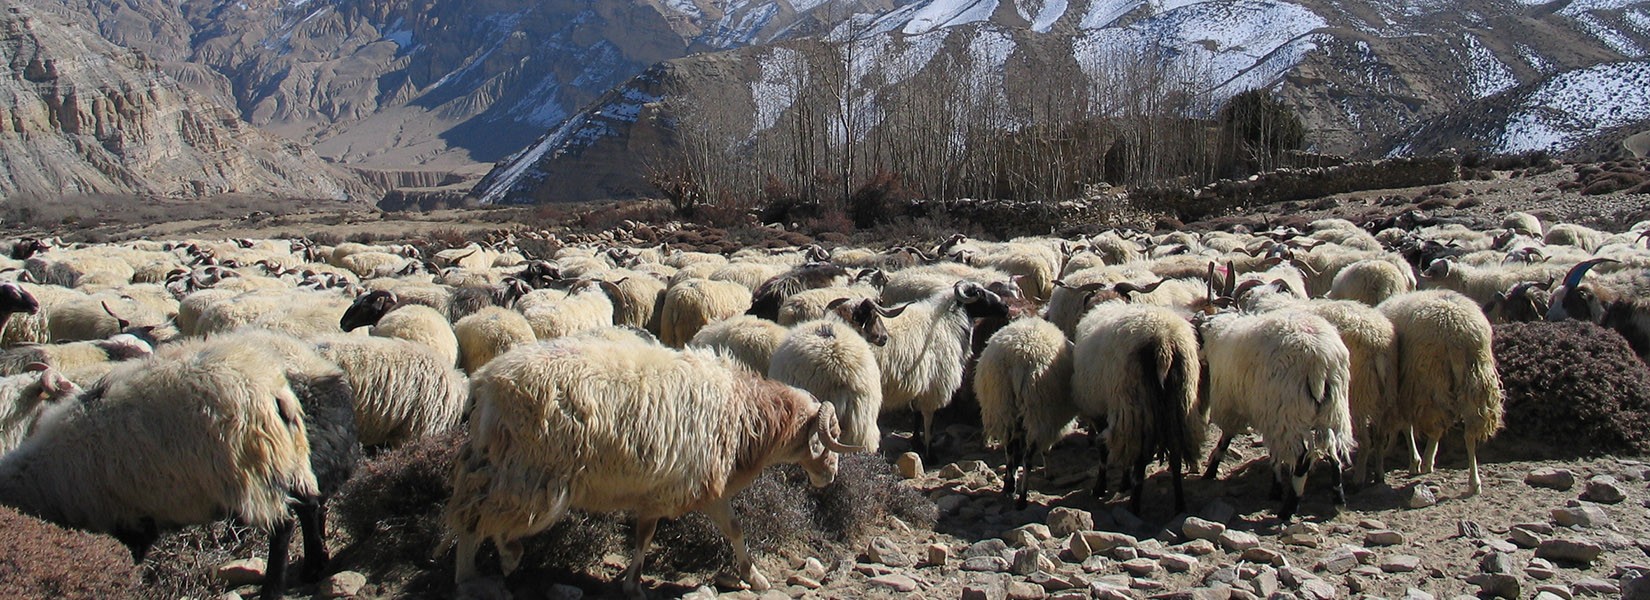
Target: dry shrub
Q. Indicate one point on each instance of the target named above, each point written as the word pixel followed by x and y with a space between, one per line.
pixel 41 560
pixel 1576 382
pixel 181 564
pixel 392 510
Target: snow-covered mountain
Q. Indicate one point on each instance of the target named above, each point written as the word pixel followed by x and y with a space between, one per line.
pixel 1370 77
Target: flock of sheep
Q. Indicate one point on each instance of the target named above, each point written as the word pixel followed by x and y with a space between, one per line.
pixel 247 378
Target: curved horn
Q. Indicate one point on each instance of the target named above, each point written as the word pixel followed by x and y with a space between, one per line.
pixel 823 426
pixel 1573 278
pixel 889 313
pixel 1231 278
pixel 1125 288
pixel 1248 284
pixel 123 323
pixel 836 302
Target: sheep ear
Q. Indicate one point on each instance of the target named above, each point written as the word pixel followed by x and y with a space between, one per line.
pixel 36 366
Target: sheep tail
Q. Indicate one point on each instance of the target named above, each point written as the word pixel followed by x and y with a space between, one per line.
pixel 1167 375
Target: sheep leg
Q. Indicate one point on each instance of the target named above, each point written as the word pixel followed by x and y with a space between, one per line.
pixel 1296 487
pixel 1025 479
pixel 1429 461
pixel 465 568
pixel 1219 454
pixel 1137 475
pixel 138 540
pixel 919 444
pixel 1101 473
pixel 1475 485
pixel 1015 450
pixel 1176 465
pixel 1338 476
pixel 1414 452
pixel 312 520
pixel 645 526
pixel 721 512
pixel 509 555
pixel 1360 463
pixel 928 435
pixel 275 573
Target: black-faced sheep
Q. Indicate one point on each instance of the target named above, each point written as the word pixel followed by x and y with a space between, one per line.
pixel 582 419
pixel 928 346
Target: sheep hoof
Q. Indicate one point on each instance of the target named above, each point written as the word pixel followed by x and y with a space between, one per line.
pixel 757 581
pixel 486 588
pixel 729 581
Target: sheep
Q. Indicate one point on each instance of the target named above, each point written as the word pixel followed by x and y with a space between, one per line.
pixel 1286 374
pixel 1524 302
pixel 1371 281
pixel 1023 383
pixel 811 304
pixel 749 339
pixel 695 303
pixel 488 333
pixel 389 318
pixel 1621 303
pixel 751 275
pixel 637 298
pixel 582 418
pixel 1523 222
pixel 1446 372
pixel 182 439
pixel 1371 344
pixel 24 396
pixel 74 268
pixel 14 298
pixel 1033 267
pixel 933 281
pixel 403 391
pixel 1481 283
pixel 922 363
pixel 1570 234
pixel 835 363
pixel 767 299
pixel 465 301
pixel 1136 369
pixel 586 307
pixel 80 362
pixel 411 291
pixel 300 313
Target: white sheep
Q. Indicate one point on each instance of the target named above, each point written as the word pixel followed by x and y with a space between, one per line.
pixel 832 361
pixel 24 396
pixel 1136 369
pixel 808 305
pixel 391 318
pixel 1023 384
pixel 637 298
pixel 586 307
pixel 1286 374
pixel 181 439
pixel 403 391
pixel 1371 281
pixel 748 339
pixel 928 345
pixel 81 362
pixel 607 426
pixel 1522 222
pixel 1446 371
pixel 691 305
pixel 488 333
pixel 1571 234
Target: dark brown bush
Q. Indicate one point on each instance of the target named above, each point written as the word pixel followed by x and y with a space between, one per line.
pixel 41 560
pixel 392 511
pixel 1576 382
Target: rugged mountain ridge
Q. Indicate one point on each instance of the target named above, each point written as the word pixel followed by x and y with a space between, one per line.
pixel 79 115
pixel 1369 77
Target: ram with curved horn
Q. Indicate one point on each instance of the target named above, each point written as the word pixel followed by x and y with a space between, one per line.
pixel 1619 301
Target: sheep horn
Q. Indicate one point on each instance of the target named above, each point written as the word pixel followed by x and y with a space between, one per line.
pixel 1573 278
pixel 122 322
pixel 826 421
pixel 1231 278
pixel 835 303
pixel 1642 235
pixel 1283 286
pixel 1247 285
pixel 1125 288
pixel 889 313
pixel 27 277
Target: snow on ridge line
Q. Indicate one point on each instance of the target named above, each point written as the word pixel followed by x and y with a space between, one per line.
pixel 1570 106
pixel 528 159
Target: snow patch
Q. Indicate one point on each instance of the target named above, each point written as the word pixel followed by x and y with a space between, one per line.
pixel 948 13
pixel 685 7
pixel 1571 106
pixel 1488 74
pixel 1041 13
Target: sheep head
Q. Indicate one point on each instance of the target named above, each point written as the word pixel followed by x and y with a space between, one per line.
pixel 823 447
pixel 1575 300
pixel 368 309
pixel 15 299
pixel 1522 303
pixel 865 316
pixel 979 302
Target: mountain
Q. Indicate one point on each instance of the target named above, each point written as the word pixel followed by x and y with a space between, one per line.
pixel 418 90
pixel 80 115
pixel 1368 77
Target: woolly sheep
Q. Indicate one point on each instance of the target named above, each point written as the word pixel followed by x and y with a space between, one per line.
pixel 695 303
pixel 465 301
pixel 922 363
pixel 1620 302
pixel 748 339
pixel 1372 281
pixel 586 307
pixel 1570 234
pixel 74 268
pixel 1482 283
pixel 1136 369
pixel 1023 383
pixel 182 439
pixel 768 297
pixel 403 391
pixel 637 297
pixel 81 362
pixel 389 318
pixel 1522 222
pixel 17 299
pixel 1371 344
pixel 934 281
pixel 24 396
pixel 832 361
pixel 1285 374
pixel 811 304
pixel 585 420
pixel 300 313
pixel 1446 371
pixel 488 333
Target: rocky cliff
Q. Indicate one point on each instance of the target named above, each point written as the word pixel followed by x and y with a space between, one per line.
pixel 80 115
